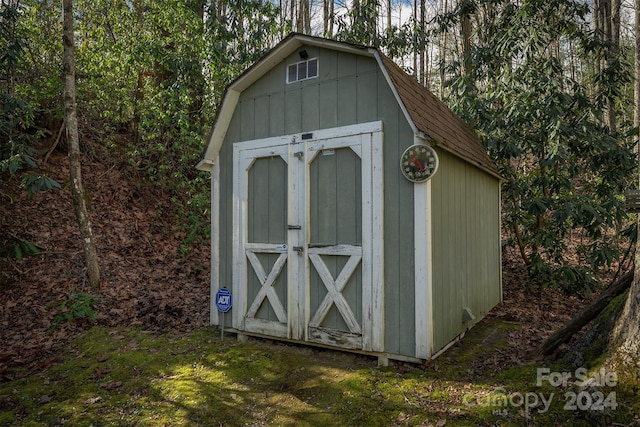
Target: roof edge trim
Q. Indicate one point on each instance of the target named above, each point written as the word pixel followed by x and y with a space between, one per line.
pixel 394 90
pixel 226 109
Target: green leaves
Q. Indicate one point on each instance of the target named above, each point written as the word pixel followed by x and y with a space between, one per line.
pixel 17 115
pixel 12 45
pixel 541 123
pixel 76 306
pixel 359 25
pixel 18 248
pixel 34 183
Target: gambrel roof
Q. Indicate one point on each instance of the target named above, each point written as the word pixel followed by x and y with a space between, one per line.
pixel 429 117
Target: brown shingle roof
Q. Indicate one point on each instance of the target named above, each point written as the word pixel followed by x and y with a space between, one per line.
pixel 434 118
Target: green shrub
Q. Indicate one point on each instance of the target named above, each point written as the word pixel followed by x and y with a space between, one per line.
pixel 76 306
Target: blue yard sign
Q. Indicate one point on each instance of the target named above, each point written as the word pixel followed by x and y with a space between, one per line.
pixel 223 300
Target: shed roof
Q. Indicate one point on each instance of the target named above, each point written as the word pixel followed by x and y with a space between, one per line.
pixel 435 119
pixel 428 116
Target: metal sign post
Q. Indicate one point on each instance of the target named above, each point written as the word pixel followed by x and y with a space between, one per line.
pixel 223 302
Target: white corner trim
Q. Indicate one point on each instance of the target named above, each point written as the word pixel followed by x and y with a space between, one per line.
pixel 423 268
pixel 377 241
pixel 430 316
pixel 215 242
pixel 239 260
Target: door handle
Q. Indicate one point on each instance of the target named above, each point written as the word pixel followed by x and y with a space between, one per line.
pixel 294 227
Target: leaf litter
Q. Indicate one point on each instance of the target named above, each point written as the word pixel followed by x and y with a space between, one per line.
pixel 144 281
pixel 145 284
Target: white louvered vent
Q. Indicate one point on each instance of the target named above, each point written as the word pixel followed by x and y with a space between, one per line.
pixel 302 70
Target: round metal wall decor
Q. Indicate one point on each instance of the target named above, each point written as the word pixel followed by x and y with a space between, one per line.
pixel 419 163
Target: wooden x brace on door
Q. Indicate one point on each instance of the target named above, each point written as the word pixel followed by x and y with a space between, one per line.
pixel 267 290
pixel 335 287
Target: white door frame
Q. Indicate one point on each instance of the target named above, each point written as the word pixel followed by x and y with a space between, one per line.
pixel 366 141
pixel 244 155
pixel 309 144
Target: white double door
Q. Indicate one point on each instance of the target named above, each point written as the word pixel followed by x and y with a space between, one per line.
pixel 308 237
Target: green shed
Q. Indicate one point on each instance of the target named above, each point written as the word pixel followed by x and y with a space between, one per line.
pixel 350 207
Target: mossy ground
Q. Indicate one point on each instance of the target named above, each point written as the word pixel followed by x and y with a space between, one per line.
pixel 128 377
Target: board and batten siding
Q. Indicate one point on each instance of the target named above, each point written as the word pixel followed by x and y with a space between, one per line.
pixel 350 89
pixel 466 246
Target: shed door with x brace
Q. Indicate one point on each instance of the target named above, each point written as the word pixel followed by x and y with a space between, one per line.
pixel 308 253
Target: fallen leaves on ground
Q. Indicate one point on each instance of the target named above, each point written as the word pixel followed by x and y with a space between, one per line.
pixel 145 283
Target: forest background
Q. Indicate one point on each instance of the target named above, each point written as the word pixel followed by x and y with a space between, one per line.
pixel 552 88
pixel 549 86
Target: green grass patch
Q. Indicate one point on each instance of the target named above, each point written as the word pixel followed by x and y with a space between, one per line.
pixel 128 377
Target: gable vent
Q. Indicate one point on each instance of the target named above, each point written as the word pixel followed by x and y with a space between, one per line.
pixel 302 70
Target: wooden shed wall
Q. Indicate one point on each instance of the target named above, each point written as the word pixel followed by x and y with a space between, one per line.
pixel 466 246
pixel 350 89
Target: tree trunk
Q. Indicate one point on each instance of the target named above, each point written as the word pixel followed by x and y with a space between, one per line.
pixel 303 19
pixel 75 171
pixel 465 29
pixel 325 19
pixel 331 20
pixel 598 27
pixel 388 14
pixel 636 83
pixel 613 35
pixel 587 315
pixel 283 17
pixel 442 50
pixel 415 41
pixel 625 338
pixel 306 17
pixel 292 14
pixel 423 77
